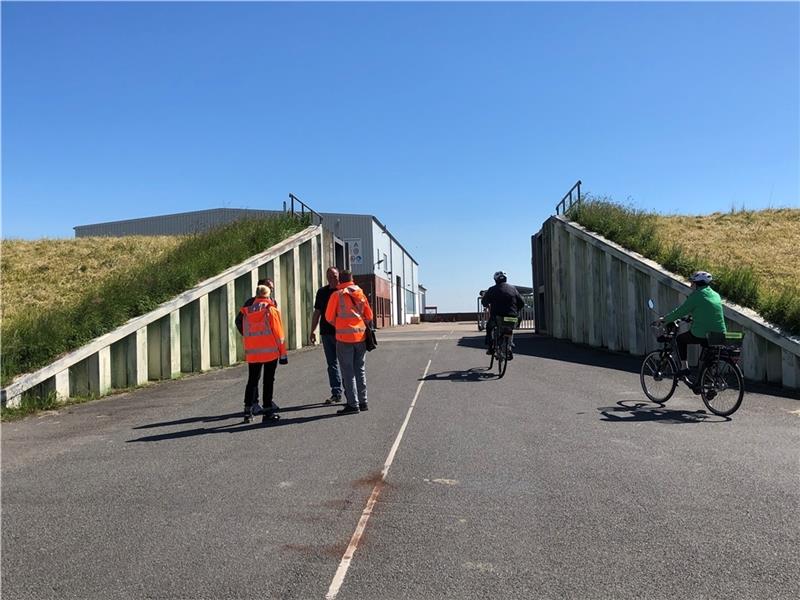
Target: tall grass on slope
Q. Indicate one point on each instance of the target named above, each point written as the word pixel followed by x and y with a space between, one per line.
pixel 33 339
pixel 44 273
pixel 640 231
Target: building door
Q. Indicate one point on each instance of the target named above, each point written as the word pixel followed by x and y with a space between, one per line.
pixel 339 255
pixel 399 301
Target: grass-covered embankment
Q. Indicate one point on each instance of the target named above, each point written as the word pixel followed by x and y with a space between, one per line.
pixel 753 255
pixel 36 333
pixel 47 273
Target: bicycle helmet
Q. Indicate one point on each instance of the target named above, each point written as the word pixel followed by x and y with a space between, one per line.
pixel 500 276
pixel 701 277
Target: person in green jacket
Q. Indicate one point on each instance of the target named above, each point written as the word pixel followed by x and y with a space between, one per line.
pixel 705 307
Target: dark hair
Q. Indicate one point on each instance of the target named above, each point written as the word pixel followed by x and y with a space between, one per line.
pixel 346 275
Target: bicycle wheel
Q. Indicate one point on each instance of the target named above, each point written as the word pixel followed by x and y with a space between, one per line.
pixel 502 355
pixel 722 387
pixel 659 376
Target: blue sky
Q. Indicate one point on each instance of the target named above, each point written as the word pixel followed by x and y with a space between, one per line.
pixel 459 125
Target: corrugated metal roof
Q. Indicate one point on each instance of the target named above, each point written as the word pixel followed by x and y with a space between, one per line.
pixel 358 225
pixel 172 224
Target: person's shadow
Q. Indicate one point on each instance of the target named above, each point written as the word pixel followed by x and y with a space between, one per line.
pixel 236 427
pixel 468 376
pixel 207 419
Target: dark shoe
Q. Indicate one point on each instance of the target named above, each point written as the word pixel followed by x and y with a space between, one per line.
pixel 270 416
pixel 489 351
pixel 248 418
pixel 363 406
pixel 510 356
pixel 334 399
pixel 348 410
pixel 272 407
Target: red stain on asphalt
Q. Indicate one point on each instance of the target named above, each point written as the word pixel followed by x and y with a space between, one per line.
pixel 371 480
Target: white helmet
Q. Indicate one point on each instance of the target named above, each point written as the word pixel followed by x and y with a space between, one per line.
pixel 500 276
pixel 701 277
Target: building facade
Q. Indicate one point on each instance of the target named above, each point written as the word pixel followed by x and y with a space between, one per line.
pixel 381 266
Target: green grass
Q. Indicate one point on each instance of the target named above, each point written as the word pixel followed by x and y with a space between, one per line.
pixel 776 299
pixel 33 339
pixel 43 273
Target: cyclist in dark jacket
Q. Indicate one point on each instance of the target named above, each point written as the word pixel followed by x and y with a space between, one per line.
pixel 502 300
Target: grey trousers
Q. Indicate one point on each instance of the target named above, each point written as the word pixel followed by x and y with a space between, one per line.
pixel 354 376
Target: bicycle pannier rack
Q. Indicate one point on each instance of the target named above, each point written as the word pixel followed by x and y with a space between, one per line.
pixel 726 344
pixel 731 338
pixel 507 325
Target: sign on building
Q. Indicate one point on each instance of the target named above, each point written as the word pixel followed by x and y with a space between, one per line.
pixel 356 251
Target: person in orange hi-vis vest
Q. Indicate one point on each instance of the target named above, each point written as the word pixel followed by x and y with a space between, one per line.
pixel 239 318
pixel 351 314
pixel 264 348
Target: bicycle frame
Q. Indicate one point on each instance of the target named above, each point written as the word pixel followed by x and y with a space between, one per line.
pixel 502 329
pixel 708 353
pixel 717 371
pixel 670 344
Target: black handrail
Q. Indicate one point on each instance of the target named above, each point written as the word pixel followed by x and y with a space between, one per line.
pixel 303 209
pixel 563 204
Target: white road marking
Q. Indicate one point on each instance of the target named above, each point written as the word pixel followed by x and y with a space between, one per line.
pixel 344 565
pixel 445 481
pixel 481 567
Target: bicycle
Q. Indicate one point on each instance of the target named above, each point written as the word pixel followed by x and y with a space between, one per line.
pixel 720 382
pixel 502 336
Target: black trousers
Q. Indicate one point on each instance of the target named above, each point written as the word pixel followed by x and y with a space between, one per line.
pixel 686 338
pixel 254 374
pixel 490 324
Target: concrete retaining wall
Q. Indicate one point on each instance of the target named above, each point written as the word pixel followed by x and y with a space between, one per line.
pixel 595 292
pixel 192 332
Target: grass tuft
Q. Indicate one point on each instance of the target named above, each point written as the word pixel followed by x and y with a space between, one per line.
pixel 627 226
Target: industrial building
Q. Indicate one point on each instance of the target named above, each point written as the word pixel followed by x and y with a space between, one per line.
pixel 381 266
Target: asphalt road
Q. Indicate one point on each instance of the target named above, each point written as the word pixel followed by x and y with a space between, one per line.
pixel 557 481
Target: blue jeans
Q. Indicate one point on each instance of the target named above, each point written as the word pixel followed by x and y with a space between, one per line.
pixel 354 375
pixel 334 377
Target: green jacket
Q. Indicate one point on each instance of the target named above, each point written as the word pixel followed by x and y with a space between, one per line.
pixel 705 306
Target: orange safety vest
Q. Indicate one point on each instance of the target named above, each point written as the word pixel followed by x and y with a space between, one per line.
pixel 349 310
pixel 263 332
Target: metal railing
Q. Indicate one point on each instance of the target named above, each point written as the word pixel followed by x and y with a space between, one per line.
pixel 527 316
pixel 562 207
pixel 302 210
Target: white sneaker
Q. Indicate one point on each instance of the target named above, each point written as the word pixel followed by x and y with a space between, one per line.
pixel 256 408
